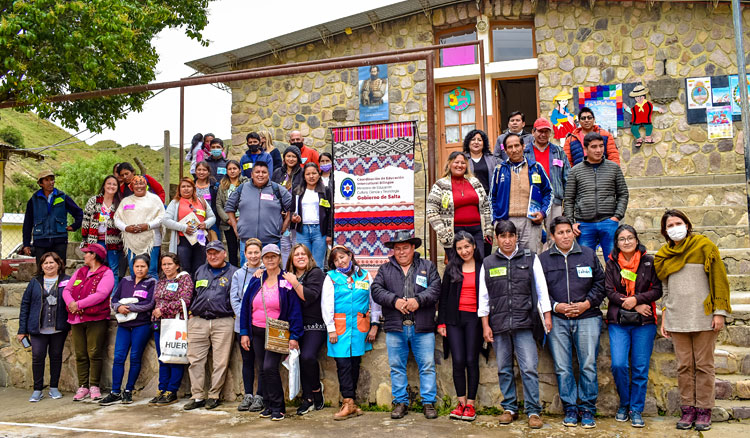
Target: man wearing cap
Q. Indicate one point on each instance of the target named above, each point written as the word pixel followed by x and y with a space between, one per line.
pixel 46 219
pixel 408 288
pixel 555 163
pixel 211 326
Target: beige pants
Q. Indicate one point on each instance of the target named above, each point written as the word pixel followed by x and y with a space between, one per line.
pixel 204 334
pixel 554 212
pixel 529 234
pixel 695 367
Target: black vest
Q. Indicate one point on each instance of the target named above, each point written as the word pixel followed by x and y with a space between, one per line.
pixel 510 287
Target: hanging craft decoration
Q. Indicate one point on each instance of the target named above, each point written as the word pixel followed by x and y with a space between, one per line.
pixel 459 99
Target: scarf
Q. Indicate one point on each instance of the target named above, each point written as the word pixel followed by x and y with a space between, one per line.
pixel 698 249
pixel 138 210
pixel 631 266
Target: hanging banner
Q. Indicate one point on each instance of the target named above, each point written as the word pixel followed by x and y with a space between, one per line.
pixel 734 91
pixel 374 183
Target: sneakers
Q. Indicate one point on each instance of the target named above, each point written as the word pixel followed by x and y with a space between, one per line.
pixel 247 400
pixel 622 414
pixel 470 414
pixel 111 399
pixel 127 397
pixel 194 404
pixel 277 416
pixel 212 403
pixel 306 407
pixel 399 411
pixel 257 404
pixel 156 398
pixel 507 417
pixel 571 418
pixel 636 420
pixel 95 392
pixel 55 394
pixel 458 413
pixel 81 394
pixel 36 396
pixel 429 411
pixel 535 421
pixel 688 417
pixel 587 420
pixel 167 398
pixel 703 420
pixel 318 401
pixel 267 413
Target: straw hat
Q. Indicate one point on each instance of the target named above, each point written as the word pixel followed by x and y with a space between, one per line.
pixel 563 95
pixel 639 90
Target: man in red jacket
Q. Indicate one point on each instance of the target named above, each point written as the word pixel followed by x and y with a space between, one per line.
pixel 574 141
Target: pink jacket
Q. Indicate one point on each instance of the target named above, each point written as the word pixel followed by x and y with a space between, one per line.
pixel 103 290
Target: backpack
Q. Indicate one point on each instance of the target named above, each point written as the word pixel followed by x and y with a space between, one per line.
pixel 276 193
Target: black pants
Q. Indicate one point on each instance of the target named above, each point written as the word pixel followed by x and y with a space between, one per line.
pixel 41 345
pixel 123 265
pixel 191 256
pixel 248 369
pixel 476 233
pixel 60 249
pixel 465 340
pixel 347 369
pixel 233 247
pixel 269 362
pixel 309 347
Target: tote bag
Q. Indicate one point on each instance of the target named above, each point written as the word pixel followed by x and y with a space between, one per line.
pixel 173 339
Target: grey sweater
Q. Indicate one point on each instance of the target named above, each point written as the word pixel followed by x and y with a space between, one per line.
pixel 260 211
pixel 594 193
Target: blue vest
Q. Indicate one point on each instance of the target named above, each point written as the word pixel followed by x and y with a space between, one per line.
pixel 351 314
pixel 50 220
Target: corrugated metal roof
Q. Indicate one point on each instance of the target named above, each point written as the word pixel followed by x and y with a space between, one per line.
pixel 229 60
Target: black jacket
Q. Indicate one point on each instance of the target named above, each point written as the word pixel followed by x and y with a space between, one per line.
pixel 388 286
pixel 511 291
pixel 31 307
pixel 647 287
pixel 325 210
pixel 312 289
pixel 450 294
pixel 211 295
pixel 574 278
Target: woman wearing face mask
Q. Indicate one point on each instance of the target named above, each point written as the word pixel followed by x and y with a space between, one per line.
pixel 696 302
pixel 313 213
pixel 351 318
pixel 228 185
pixel 98 224
pixel 290 176
pixel 326 169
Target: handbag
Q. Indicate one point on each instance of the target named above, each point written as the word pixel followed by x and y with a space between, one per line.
pixel 173 338
pixel 277 331
pixel 629 317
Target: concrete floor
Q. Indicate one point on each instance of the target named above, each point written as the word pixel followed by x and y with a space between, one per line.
pixel 66 418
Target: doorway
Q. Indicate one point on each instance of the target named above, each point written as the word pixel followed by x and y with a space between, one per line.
pixel 459 113
pixel 517 94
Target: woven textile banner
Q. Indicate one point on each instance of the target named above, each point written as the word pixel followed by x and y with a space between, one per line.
pixel 374 175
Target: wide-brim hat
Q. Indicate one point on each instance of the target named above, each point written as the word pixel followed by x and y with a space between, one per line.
pixel 639 90
pixel 44 174
pixel 404 236
pixel 563 95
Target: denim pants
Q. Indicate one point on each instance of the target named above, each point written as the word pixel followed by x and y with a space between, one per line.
pixel 584 335
pixel 133 339
pixel 113 261
pixel 520 343
pixel 423 347
pixel 598 233
pixel 170 374
pixel 630 347
pixel 153 267
pixel 310 236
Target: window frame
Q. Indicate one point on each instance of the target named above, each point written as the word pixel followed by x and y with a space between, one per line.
pixel 511 23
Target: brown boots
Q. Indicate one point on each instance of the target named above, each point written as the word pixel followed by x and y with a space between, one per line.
pixel 348 410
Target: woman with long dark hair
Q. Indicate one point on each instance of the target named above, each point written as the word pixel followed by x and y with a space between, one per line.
pixel 195 144
pixel 459 324
pixel 227 186
pixel 313 213
pixel 288 175
pixel 99 226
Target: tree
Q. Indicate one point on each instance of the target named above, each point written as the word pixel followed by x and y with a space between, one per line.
pixel 51 47
pixel 12 136
pixel 18 193
pixel 82 178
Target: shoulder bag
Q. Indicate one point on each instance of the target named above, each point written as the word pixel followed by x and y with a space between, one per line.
pixel 277 331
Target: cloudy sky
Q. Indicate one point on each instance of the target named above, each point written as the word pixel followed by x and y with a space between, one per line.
pixel 232 24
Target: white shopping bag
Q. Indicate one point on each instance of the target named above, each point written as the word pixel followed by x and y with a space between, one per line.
pixel 291 363
pixel 173 339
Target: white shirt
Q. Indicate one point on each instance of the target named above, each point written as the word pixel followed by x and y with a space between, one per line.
pixel 483 307
pixel 327 304
pixel 309 213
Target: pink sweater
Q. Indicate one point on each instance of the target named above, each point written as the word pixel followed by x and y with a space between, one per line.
pixel 103 289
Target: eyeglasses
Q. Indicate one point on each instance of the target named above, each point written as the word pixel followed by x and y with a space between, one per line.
pixel 626 239
pixel 586 118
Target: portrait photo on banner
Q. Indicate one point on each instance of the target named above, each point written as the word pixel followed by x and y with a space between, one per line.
pixel 373 93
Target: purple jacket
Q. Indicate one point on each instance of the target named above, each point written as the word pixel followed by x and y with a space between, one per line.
pixel 143 291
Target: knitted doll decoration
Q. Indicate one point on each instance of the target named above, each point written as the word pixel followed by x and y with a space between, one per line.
pixel 641 114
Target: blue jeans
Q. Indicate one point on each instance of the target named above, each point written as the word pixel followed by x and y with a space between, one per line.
pixel 633 342
pixel 522 344
pixel 113 261
pixel 170 374
pixel 598 233
pixel 423 347
pixel 584 335
pixel 310 236
pixel 153 267
pixel 133 339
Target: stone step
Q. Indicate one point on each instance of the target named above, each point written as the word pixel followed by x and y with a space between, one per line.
pixel 683 196
pixel 724 214
pixel 740 285
pixel 725 410
pixel 737 260
pixel 724 236
pixel 739 296
pixel 733 387
pixel 680 181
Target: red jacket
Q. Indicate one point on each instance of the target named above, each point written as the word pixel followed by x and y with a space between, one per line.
pixel 153 186
pixel 612 153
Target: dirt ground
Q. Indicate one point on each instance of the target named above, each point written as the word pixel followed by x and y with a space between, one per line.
pixel 62 418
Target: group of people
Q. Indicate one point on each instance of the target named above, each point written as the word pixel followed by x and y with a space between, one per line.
pixel 287 279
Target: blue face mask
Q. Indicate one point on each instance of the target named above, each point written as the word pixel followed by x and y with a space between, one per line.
pixel 345 270
pixel 216 153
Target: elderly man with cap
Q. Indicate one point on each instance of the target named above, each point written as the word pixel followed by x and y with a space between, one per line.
pixel 211 326
pixel 408 288
pixel 46 219
pixel 554 161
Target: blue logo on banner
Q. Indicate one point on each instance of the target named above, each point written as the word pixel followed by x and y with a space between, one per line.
pixel 347 188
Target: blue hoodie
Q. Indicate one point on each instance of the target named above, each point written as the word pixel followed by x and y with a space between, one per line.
pixel 248 161
pixel 500 188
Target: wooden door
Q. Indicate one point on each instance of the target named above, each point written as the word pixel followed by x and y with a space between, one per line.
pixel 456 121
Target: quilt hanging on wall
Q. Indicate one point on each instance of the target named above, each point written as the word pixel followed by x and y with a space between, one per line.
pixel 606 103
pixel 374 184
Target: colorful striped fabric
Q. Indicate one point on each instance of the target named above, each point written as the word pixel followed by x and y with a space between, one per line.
pixel 373 132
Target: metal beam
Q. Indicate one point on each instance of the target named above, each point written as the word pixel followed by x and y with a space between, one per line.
pixel 742 81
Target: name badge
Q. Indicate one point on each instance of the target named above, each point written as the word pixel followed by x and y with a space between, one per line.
pixel 128 207
pixel 556 162
pixel 201 283
pixel 362 285
pixel 325 203
pixel 628 275
pixel 499 272
pixel 221 170
pixel 172 287
pixel 446 200
pixel 63 283
pixel 304 160
pixel 285 284
pixel 421 280
pixel 102 218
pixel 77 282
pixel 247 166
pixel 584 271
pixel 58 201
pixel 207 196
pixel 201 212
pixel 140 294
pixel 51 300
pixel 266 197
pixel 536 179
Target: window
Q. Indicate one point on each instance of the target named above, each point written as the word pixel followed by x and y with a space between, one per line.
pixel 458 55
pixel 512 41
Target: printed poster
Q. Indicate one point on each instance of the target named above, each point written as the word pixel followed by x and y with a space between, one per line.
pixel 373 93
pixel 605 112
pixel 734 94
pixel 721 96
pixel 719 119
pixel 699 93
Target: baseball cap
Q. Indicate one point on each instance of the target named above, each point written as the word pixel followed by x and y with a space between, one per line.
pixel 216 245
pixel 542 123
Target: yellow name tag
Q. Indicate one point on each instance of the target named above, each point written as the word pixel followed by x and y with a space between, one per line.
pixel 498 272
pixel 362 285
pixel 76 283
pixel 201 212
pixel 446 200
pixel 247 166
pixel 325 203
pixel 536 179
pixel 102 218
pixel 58 201
pixel 628 275
pixel 201 283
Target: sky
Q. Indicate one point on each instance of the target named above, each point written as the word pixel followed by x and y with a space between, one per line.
pixel 232 24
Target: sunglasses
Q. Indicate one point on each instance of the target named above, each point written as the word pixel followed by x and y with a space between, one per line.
pixel 586 118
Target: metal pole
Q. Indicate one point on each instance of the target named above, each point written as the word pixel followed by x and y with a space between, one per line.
pixel 482 84
pixel 167 150
pixel 431 146
pixel 182 130
pixel 740 49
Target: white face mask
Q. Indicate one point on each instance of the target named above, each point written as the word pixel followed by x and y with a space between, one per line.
pixel 677 233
